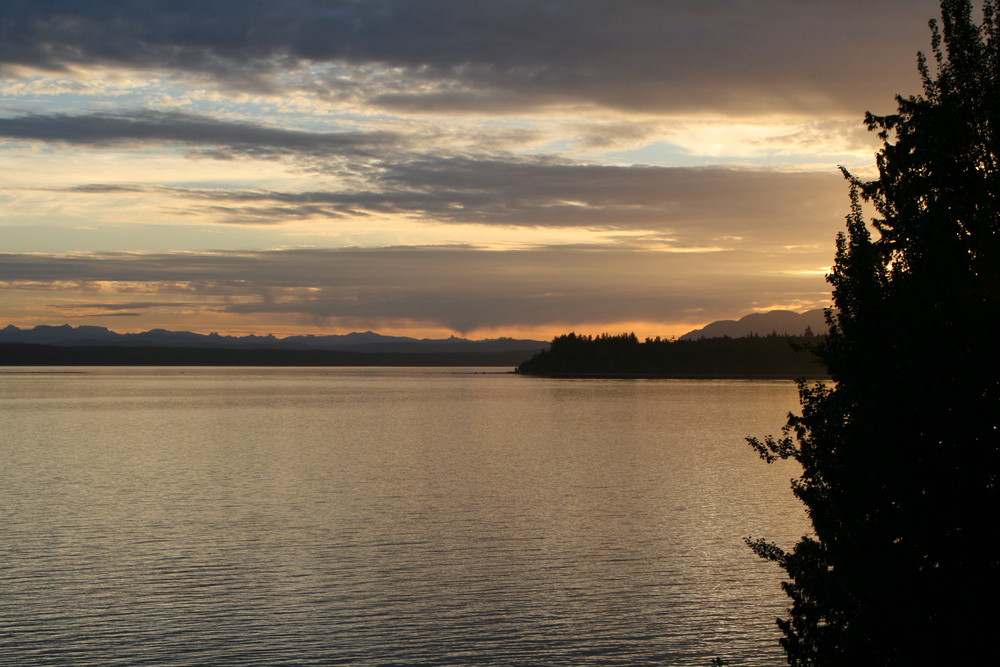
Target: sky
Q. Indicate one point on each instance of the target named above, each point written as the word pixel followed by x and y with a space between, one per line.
pixel 430 168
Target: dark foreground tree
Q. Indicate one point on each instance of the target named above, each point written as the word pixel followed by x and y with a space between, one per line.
pixel 900 456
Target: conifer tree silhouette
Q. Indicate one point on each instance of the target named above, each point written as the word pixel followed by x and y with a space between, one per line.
pixel 899 456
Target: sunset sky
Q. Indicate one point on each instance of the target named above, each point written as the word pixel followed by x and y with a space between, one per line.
pixel 480 168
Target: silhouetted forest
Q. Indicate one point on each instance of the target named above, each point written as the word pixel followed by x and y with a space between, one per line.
pixel 624 355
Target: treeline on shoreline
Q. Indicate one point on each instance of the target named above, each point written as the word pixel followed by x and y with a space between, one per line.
pixel 771 356
pixel 27 354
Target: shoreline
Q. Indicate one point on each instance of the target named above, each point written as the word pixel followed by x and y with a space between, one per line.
pixel 674 376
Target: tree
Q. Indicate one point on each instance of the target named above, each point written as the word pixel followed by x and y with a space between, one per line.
pixel 899 456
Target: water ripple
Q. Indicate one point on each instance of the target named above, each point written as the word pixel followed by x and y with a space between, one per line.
pixel 296 518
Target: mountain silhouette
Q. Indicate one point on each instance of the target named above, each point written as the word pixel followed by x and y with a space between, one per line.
pixel 781 322
pixel 367 341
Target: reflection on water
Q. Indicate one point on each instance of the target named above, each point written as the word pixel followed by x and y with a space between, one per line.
pixel 386 516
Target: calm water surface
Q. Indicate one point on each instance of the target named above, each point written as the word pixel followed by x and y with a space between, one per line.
pixel 386 517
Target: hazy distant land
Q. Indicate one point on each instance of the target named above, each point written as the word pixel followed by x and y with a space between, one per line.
pixel 97 346
pixel 754 346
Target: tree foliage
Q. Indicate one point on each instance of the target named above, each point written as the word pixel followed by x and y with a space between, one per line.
pixel 624 355
pixel 900 455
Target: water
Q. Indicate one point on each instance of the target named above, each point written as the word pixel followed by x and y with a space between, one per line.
pixel 386 517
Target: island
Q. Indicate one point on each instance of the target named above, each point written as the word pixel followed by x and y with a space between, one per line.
pixel 771 356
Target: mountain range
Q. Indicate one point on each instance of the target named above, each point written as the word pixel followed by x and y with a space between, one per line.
pixel 783 322
pixel 367 341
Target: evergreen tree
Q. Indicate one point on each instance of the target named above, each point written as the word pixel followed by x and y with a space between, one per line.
pixel 900 456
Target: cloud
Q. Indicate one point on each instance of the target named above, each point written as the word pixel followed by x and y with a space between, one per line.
pixel 155 128
pixel 458 287
pixel 697 206
pixel 448 55
pixel 495 124
pixel 128 305
pixel 547 193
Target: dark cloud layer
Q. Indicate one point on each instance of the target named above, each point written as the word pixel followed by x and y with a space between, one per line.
pixel 697 204
pixel 155 128
pixel 646 197
pixel 460 288
pixel 682 55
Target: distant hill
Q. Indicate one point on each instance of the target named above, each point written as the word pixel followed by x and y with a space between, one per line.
pixel 780 322
pixel 367 341
pixel 27 354
pixel 89 345
pixel 760 355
